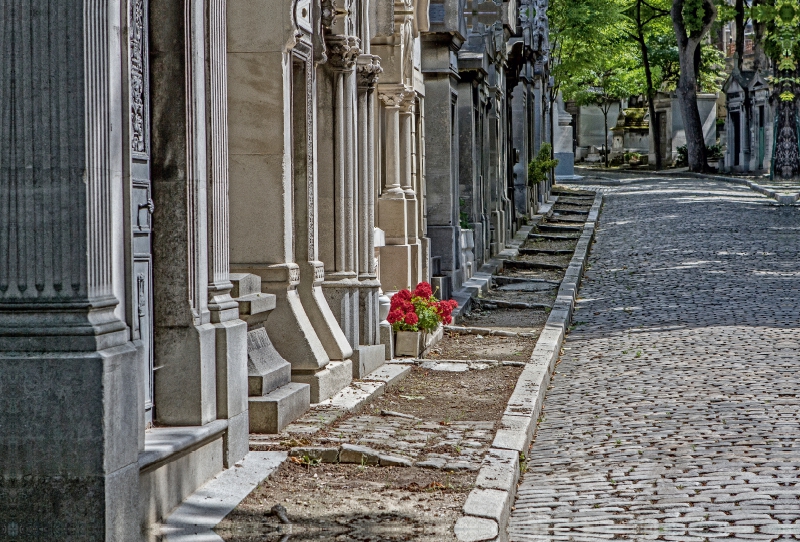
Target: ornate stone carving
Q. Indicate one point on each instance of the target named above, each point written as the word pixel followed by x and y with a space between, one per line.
pixel 343 51
pixel 312 229
pixel 541 30
pixel 138 76
pixel 369 68
pixel 393 96
pixel 787 155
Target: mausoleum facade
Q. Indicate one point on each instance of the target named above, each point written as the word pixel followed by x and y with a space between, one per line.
pixel 204 208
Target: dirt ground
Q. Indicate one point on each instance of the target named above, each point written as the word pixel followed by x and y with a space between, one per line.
pixel 445 416
pixel 449 397
pixel 519 320
pixel 350 502
pixel 452 415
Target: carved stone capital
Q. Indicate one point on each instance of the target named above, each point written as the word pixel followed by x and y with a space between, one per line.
pixel 343 51
pixel 368 69
pixel 393 95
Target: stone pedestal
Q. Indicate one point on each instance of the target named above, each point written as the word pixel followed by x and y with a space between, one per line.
pixel 563 144
pixel 395 270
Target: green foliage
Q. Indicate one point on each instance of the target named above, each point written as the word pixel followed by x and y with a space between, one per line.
pixel 463 217
pixel 715 151
pixel 664 59
pixel 782 18
pixel 694 14
pixel 581 33
pixel 539 167
pixel 683 156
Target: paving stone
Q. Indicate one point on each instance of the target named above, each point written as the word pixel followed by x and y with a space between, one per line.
pixel 325 455
pixel 351 453
pixel 472 529
pixel 673 413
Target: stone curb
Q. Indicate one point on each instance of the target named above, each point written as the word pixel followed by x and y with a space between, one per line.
pixel 488 506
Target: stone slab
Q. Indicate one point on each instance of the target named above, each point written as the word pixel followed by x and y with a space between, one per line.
pixel 206 507
pixel 515 433
pixel 272 412
pixel 366 359
pixel 244 284
pixel 474 529
pixel 361 455
pixel 326 383
pixel 356 396
pixel 491 504
pixel 390 374
pixel 499 470
pixel 394 461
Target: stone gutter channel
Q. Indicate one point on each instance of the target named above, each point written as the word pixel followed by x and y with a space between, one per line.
pixel 481 281
pixel 488 506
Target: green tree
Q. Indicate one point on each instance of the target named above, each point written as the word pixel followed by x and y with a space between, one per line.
pixel 692 20
pixel 608 81
pixel 646 21
pixel 581 32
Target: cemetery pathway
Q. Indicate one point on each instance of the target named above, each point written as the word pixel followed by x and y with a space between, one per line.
pixel 674 412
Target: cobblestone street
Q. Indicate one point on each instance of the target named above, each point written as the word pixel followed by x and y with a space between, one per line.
pixel 673 414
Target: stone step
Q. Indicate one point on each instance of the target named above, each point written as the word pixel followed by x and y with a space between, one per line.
pixel 547 228
pixel 514 264
pixel 255 303
pixel 275 373
pixel 272 412
pixel 245 284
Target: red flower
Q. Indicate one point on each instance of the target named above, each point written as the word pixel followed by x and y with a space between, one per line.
pixel 411 318
pixel 395 316
pixel 400 298
pixel 423 290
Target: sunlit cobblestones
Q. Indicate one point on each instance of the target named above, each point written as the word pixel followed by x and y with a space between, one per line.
pixel 673 414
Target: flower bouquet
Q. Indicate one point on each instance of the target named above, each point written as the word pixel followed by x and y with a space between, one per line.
pixel 416 316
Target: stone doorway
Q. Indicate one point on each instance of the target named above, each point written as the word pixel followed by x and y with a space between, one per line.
pixel 140 202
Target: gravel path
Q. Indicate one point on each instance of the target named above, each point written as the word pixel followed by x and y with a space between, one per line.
pixel 673 414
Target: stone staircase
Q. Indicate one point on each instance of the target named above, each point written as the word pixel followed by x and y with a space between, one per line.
pixel 274 400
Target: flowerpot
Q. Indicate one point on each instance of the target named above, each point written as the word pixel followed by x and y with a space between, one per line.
pixel 408 343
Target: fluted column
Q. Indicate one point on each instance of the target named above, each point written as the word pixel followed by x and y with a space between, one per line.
pixel 368 70
pixel 231 332
pixel 68 374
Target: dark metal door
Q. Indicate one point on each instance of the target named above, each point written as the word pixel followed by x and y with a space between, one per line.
pixel 141 201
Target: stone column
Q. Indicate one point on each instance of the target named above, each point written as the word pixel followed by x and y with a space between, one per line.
pixel 184 338
pixel 407 113
pixel 307 216
pixel 392 208
pixel 68 374
pixel 338 148
pixel 368 70
pixel 268 90
pixel 231 332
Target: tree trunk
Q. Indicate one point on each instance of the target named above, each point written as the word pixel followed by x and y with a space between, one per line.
pixel 761 62
pixel 605 134
pixel 655 133
pixel 688 42
pixel 739 22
